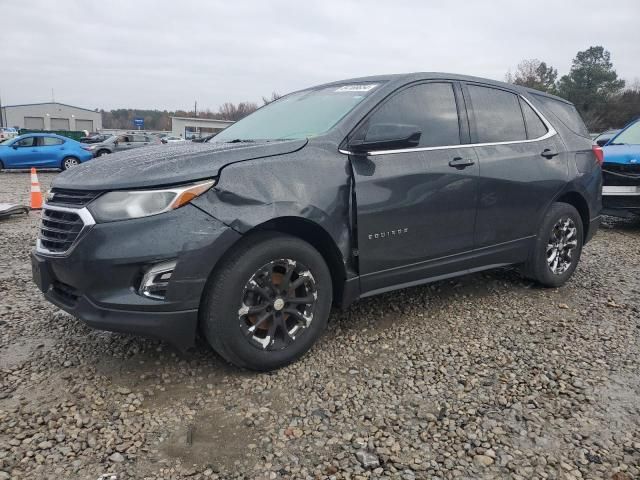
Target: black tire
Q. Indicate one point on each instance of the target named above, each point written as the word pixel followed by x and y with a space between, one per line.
pixel 539 267
pixel 67 163
pixel 102 152
pixel 1 165
pixel 226 290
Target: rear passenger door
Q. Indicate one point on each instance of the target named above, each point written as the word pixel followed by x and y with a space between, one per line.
pixel 125 142
pixel 140 141
pixel 51 151
pixel 416 207
pixel 522 166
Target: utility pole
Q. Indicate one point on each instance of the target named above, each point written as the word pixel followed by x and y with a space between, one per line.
pixel 1 113
pixel 53 97
pixel 195 109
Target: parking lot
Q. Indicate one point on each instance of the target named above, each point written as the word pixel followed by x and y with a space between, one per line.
pixel 486 376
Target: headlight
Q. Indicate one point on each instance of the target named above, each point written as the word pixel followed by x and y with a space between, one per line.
pixel 114 206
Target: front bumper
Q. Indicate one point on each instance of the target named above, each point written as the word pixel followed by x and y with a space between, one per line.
pixel 97 280
pixel 621 189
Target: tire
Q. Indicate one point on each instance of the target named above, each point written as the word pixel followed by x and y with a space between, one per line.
pixel 69 162
pixel 1 165
pixel 102 152
pixel 224 316
pixel 555 236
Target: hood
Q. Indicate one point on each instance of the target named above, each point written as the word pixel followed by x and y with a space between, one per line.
pixel 166 164
pixel 623 154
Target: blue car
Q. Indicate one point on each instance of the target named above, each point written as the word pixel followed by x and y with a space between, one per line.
pixel 620 158
pixel 42 150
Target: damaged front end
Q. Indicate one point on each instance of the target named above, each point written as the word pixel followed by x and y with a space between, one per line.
pixel 621 189
pixel 621 172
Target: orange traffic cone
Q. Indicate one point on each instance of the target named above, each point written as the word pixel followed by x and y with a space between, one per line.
pixel 36 194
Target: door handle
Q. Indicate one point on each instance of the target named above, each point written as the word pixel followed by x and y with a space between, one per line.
pixel 461 163
pixel 549 153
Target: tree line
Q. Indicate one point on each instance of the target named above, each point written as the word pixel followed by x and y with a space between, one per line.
pixel 122 118
pixel 592 85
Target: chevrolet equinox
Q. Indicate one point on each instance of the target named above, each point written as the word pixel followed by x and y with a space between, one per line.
pixel 325 196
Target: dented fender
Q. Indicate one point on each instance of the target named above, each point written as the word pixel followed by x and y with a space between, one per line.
pixel 311 184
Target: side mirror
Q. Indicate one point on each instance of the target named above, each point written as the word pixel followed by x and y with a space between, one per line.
pixel 386 136
pixel 15 145
pixel 603 142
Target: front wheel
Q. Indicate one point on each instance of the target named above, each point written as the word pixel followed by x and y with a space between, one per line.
pixel 558 246
pixel 69 162
pixel 269 301
pixel 102 152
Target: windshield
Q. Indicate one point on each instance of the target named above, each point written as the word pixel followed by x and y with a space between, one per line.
pixel 630 136
pixel 299 115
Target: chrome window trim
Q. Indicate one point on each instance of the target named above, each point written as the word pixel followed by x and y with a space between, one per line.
pixel 550 133
pixel 87 220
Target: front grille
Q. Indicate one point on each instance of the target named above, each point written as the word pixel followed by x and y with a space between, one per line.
pixel 59 229
pixel 620 174
pixel 75 198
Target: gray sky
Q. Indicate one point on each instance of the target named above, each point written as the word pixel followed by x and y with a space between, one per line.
pixel 161 54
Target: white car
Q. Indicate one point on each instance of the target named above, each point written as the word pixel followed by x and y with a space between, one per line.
pixel 171 139
pixel 7 133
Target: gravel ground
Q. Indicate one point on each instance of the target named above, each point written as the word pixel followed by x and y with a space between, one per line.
pixel 486 376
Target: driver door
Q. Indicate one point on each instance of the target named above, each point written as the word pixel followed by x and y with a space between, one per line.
pixel 25 152
pixel 416 206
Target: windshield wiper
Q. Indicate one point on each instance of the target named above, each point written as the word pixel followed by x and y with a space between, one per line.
pixel 241 140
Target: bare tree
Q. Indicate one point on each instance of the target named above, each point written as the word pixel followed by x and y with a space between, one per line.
pixel 231 111
pixel 534 74
pixel 268 100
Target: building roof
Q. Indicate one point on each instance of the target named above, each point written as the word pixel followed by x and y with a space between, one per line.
pixel 49 103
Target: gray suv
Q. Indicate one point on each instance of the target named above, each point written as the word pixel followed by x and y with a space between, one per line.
pixel 120 143
pixel 327 195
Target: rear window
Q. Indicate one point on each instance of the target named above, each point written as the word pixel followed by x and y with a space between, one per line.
pixel 566 113
pixel 535 126
pixel 497 114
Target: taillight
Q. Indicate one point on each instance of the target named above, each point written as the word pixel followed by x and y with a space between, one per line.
pixel 599 153
pixel 88 149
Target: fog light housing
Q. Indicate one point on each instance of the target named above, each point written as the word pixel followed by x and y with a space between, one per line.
pixel 156 280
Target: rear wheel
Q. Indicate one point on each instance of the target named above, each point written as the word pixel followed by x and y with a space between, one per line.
pixel 558 246
pixel 269 301
pixel 102 152
pixel 69 162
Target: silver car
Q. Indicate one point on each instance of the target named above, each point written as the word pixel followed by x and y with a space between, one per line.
pixel 120 143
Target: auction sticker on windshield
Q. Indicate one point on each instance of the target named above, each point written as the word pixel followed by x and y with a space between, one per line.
pixel 357 88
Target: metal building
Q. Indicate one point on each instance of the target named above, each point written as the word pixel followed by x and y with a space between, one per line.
pixel 51 116
pixel 196 127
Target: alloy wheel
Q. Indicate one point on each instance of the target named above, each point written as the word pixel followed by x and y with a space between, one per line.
pixel 70 163
pixel 277 304
pixel 561 245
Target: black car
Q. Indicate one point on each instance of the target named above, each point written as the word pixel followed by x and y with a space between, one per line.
pixel 325 196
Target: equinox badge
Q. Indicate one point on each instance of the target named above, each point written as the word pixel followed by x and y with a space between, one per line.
pixel 390 233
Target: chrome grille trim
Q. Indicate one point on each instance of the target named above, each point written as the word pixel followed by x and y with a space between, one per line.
pixel 86 220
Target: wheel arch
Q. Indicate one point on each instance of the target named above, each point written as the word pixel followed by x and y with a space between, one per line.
pixel 578 201
pixel 317 237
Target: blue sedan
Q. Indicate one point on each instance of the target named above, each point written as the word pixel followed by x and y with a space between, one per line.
pixel 42 150
pixel 621 172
